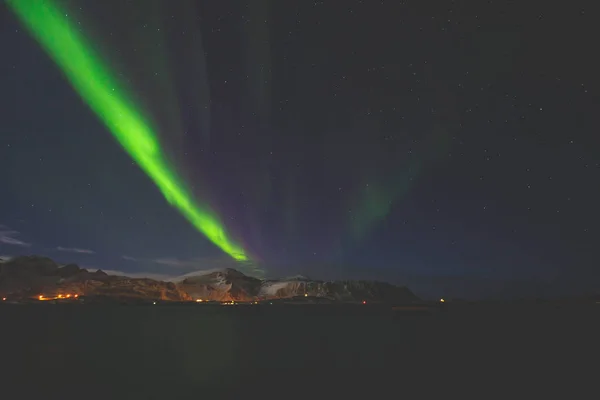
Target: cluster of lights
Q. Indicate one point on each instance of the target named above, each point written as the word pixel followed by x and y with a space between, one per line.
pixel 60 296
pixel 228 303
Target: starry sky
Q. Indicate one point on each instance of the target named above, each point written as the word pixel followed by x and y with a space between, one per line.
pixel 450 146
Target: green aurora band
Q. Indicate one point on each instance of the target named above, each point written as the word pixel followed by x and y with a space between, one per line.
pixel 375 201
pixel 50 26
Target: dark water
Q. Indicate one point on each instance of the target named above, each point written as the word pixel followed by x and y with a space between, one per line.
pixel 69 351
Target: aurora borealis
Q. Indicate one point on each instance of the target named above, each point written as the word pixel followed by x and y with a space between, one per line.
pixel 96 85
pixel 439 146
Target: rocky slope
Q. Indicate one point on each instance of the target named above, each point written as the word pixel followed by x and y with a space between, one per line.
pixel 229 284
pixel 32 276
pixel 226 285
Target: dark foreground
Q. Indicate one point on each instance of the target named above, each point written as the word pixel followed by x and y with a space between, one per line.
pixel 147 352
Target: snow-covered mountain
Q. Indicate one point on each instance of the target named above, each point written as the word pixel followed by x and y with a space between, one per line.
pixel 221 285
pixel 32 276
pixel 297 278
pixel 230 284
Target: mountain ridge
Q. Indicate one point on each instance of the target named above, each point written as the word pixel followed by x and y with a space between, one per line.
pixel 32 276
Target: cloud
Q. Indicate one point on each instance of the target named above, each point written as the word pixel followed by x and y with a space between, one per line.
pixel 211 264
pixel 199 262
pixel 75 250
pixel 7 236
pixel 175 262
pixel 4 258
pixel 199 272
pixel 150 275
pixel 128 258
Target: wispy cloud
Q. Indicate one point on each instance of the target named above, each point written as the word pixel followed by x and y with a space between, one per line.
pixel 176 262
pixel 4 259
pixel 150 275
pixel 7 236
pixel 194 263
pixel 75 250
pixel 210 263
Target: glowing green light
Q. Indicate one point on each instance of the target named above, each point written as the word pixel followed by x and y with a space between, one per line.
pixel 375 199
pixel 94 83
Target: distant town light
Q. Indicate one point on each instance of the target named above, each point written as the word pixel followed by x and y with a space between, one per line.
pixel 442 300
pixel 76 296
pixel 41 297
pixel 199 300
pixel 60 296
pixel 4 299
pixel 364 302
pixel 153 302
pixel 305 294
pixel 68 296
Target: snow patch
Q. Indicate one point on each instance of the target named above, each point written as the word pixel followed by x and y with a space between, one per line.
pixel 194 274
pixel 273 288
pixel 297 278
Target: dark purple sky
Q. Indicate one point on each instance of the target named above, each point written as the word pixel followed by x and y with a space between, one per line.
pixel 448 146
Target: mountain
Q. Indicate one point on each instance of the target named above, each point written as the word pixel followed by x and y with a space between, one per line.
pixel 297 278
pixel 230 284
pixel 224 285
pixel 31 276
pixel 343 291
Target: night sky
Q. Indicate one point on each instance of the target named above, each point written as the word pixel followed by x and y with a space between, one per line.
pixel 449 146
